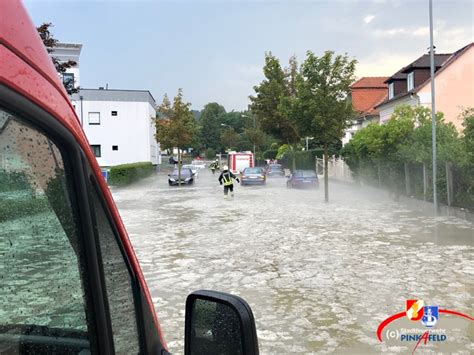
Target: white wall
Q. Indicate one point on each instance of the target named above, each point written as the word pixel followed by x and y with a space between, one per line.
pixel 131 130
pixel 386 110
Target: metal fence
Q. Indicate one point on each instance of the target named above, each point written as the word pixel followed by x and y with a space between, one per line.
pixel 455 186
pixel 337 169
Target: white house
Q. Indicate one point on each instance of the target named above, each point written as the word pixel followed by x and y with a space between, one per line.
pixel 65 52
pixel 454 84
pixel 119 125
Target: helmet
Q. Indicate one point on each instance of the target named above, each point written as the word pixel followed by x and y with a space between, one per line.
pixel 226 167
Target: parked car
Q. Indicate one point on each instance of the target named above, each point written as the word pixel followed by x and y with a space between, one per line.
pixel 193 168
pixel 275 170
pixel 253 176
pixel 303 178
pixel 187 177
pixel 199 164
pixel 73 283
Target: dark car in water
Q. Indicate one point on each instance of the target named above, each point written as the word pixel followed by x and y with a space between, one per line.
pixel 275 170
pixel 303 178
pixel 253 176
pixel 187 177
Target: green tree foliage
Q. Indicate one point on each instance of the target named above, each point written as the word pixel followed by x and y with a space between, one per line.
pixel 265 105
pixel 321 108
pixel 468 137
pixel 406 138
pixel 211 128
pixel 50 42
pixel 230 138
pixel 176 126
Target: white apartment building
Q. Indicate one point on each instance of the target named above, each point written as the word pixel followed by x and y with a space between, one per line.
pixel 119 125
pixel 65 52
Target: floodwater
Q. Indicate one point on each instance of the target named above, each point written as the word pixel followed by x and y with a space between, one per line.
pixel 319 277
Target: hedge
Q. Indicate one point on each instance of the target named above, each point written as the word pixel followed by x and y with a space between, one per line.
pixel 303 159
pixel 127 173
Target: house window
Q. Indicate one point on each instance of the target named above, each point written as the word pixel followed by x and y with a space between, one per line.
pixel 114 113
pixel 410 81
pixel 115 147
pixel 68 82
pixel 94 118
pixel 390 91
pixel 96 150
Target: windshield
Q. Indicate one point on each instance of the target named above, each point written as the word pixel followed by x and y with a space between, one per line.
pixel 183 172
pixel 253 171
pixel 308 173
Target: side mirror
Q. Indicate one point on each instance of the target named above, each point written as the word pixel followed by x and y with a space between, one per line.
pixel 219 323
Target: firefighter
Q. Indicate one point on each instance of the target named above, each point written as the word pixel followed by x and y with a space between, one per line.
pixel 226 178
pixel 214 166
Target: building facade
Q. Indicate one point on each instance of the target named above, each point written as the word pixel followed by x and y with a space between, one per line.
pixel 454 85
pixel 119 125
pixel 366 93
pixel 65 52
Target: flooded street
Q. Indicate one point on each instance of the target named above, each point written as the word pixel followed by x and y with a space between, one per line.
pixel 319 277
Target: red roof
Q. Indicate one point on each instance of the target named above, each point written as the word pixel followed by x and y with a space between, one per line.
pixel 370 82
pixel 367 92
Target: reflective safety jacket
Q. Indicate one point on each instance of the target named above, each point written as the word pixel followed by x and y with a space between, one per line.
pixel 226 177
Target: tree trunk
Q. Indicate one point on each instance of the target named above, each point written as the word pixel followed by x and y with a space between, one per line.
pixel 179 167
pixel 293 158
pixel 326 176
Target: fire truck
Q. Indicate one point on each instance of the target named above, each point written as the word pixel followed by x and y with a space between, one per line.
pixel 238 161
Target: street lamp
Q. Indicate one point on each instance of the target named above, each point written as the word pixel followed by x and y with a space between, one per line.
pixel 308 139
pixel 254 127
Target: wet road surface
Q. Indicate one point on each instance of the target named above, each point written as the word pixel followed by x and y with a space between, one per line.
pixel 319 277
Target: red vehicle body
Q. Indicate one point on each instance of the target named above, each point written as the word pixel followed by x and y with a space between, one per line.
pixel 238 161
pixel 30 89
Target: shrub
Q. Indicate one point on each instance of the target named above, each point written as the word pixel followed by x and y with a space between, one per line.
pixel 270 154
pixel 210 153
pixel 304 159
pixel 127 173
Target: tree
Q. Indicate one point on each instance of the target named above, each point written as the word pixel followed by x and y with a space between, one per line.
pixel 321 106
pixel 230 139
pixel 211 125
pixel 176 127
pixel 50 42
pixel 266 104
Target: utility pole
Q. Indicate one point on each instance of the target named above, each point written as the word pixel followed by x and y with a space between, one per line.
pixel 82 117
pixel 254 138
pixel 433 109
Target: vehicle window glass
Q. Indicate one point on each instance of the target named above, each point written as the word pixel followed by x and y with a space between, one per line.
pixel 42 294
pixel 119 285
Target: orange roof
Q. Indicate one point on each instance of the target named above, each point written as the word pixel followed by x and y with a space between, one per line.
pixel 370 82
pixel 367 92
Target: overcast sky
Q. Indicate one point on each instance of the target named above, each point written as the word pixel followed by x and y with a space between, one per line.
pixel 214 50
